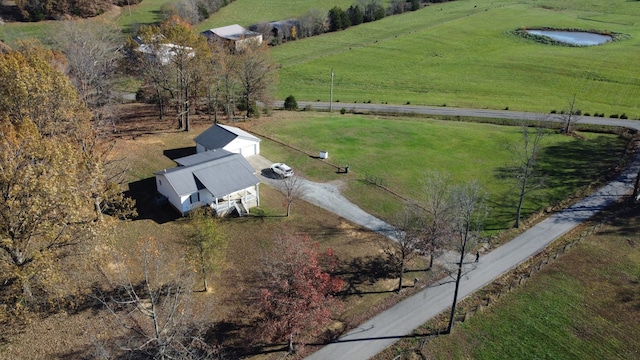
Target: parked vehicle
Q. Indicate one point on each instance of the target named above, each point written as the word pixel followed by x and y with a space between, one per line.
pixel 282 170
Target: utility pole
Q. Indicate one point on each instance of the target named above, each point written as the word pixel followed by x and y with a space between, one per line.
pixel 331 93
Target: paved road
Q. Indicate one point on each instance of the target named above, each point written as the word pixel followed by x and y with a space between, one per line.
pixel 383 330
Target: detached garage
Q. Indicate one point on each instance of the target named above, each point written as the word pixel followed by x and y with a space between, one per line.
pixel 229 138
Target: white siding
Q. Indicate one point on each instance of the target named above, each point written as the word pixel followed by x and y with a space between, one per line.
pixel 162 184
pixel 244 147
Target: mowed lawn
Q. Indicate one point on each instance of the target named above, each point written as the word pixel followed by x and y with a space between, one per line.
pixel 463 54
pixel 585 305
pixel 402 151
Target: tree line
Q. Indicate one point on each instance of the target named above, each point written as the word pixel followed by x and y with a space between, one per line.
pixel 183 71
pixel 315 21
pixel 37 10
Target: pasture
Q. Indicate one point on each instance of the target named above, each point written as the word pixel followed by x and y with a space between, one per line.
pixel 463 54
pixel 402 151
pixel 249 12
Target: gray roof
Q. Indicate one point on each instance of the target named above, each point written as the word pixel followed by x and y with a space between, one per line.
pixel 202 157
pixel 221 174
pixel 231 32
pixel 218 136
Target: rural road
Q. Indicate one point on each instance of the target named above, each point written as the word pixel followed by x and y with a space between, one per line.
pixel 383 330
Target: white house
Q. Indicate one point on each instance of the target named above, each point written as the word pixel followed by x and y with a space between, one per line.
pixel 235 36
pixel 223 180
pixel 163 53
pixel 229 138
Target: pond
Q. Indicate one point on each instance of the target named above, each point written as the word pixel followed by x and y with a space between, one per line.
pixel 581 38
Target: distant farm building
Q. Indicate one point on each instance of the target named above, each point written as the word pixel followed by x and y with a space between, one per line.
pixel 278 31
pixel 234 36
pixel 162 52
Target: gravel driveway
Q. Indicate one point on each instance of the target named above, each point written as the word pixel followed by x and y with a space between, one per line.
pixel 324 195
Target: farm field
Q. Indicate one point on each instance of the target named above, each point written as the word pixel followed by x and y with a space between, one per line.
pixel 585 305
pixel 462 54
pixel 458 54
pixel 249 12
pixel 402 150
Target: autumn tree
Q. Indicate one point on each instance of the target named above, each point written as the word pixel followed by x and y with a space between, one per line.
pixel 48 182
pixel 524 155
pixel 469 212
pixel 296 294
pixel 207 243
pixel 36 10
pixel 257 75
pixel 172 58
pixel 186 57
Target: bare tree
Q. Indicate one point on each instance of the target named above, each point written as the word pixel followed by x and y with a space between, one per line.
pixel 257 73
pixel 571 116
pixel 314 22
pixel 153 310
pixel 437 204
pixel 224 82
pixel 407 230
pixel 469 214
pixel 93 52
pixel 292 188
pixel 524 155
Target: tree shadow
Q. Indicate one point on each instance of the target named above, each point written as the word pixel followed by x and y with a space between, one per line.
pixel 365 270
pixel 334 338
pixel 565 167
pixel 571 165
pixel 625 223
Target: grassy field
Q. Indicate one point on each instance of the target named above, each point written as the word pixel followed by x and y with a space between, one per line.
pixel 402 150
pixel 249 12
pixel 586 305
pixel 463 54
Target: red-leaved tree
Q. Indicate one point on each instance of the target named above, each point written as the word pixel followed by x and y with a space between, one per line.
pixel 297 294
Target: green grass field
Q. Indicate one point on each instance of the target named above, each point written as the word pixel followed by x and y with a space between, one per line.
pixel 463 54
pixel 402 150
pixel 249 12
pixel 582 306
